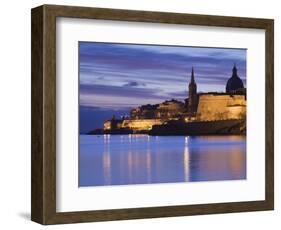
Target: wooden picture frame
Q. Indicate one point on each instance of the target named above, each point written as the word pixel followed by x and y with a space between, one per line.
pixel 43 189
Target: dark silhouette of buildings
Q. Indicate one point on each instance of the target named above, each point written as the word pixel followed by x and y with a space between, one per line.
pixel 215 108
pixel 192 93
pixel 234 83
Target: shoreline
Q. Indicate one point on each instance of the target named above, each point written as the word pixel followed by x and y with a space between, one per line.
pixel 180 135
pixel 179 128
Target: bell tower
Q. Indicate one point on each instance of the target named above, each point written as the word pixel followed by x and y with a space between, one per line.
pixel 192 94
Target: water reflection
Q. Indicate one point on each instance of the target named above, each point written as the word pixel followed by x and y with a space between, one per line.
pixel 142 159
pixel 107 166
pixel 148 165
pixel 186 163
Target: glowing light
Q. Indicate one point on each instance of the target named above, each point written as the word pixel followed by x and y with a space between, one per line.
pixel 186 164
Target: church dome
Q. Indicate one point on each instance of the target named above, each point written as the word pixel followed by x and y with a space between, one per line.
pixel 234 83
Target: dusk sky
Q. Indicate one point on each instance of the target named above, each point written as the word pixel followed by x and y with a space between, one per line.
pixel 116 77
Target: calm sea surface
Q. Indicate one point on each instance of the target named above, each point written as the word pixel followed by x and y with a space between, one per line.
pixel 142 159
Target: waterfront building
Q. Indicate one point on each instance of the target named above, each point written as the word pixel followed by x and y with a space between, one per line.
pixel 211 106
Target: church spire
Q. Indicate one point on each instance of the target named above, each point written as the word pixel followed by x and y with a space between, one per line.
pixel 192 76
pixel 192 94
pixel 234 70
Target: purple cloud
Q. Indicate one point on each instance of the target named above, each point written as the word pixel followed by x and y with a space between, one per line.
pixel 110 73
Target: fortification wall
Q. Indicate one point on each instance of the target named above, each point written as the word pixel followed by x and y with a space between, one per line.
pixel 221 107
pixel 142 124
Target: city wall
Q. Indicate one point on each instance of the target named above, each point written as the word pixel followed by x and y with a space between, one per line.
pixel 221 107
pixel 142 124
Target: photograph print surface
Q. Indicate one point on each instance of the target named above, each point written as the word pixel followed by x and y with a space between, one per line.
pixel 161 114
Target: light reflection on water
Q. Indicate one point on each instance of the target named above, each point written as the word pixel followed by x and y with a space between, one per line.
pixel 143 159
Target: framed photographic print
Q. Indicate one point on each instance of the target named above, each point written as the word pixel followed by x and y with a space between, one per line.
pixel 141 114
